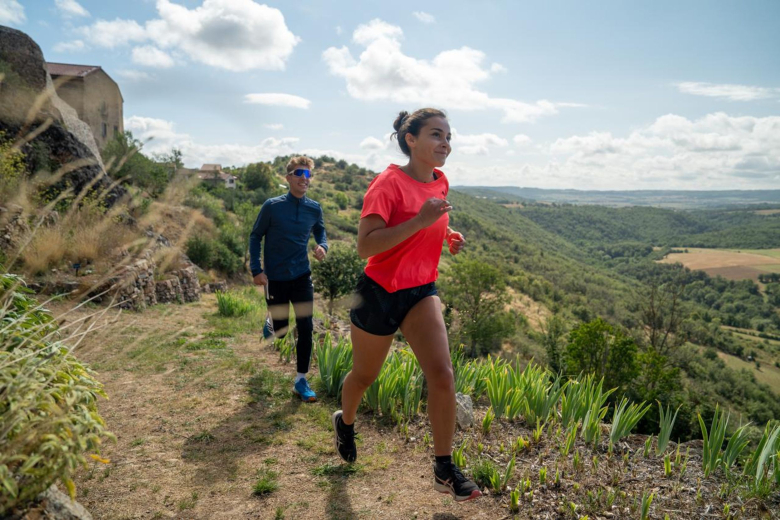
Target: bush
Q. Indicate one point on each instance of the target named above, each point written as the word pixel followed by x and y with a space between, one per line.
pixel 337 275
pixel 225 260
pixel 48 402
pixel 200 251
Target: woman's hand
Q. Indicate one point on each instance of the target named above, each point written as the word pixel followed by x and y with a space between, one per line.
pixel 431 210
pixel 455 240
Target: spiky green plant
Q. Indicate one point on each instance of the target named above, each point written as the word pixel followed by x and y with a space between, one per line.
pixel 335 362
pixel 734 448
pixel 579 396
pixel 626 416
pixel 666 424
pixel 647 501
pixel 764 460
pixel 487 421
pixel 591 425
pixel 713 440
pixel 458 454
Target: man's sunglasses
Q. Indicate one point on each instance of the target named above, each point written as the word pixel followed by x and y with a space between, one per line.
pixel 300 172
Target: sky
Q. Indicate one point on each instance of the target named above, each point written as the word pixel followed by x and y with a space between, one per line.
pixel 606 95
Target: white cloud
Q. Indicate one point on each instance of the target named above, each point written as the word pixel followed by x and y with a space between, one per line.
pixel 282 100
pixel 70 8
pixel 164 136
pixel 424 17
pixel 384 72
pixel 476 144
pixel 521 139
pixel 110 34
pixel 236 35
pixel 497 67
pixel 134 75
pixel 376 30
pixel 11 12
pixel 74 46
pixel 372 143
pixel 274 126
pixel 717 151
pixel 730 92
pixel 151 56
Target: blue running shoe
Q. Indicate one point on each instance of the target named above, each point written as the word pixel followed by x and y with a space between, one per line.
pixel 268 328
pixel 304 391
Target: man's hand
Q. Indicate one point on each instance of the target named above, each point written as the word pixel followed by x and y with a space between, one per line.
pixel 320 253
pixel 456 242
pixel 260 279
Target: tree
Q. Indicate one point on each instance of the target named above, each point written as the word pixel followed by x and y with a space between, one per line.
pixel 476 292
pixel 554 331
pixel 259 176
pixel 662 316
pixel 124 160
pixel 337 275
pixel 596 347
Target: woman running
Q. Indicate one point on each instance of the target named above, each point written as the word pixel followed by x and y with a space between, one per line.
pixel 403 225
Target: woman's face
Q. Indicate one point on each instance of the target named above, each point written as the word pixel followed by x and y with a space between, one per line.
pixel 432 146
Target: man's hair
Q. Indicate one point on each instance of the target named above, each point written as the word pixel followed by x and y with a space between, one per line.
pixel 296 162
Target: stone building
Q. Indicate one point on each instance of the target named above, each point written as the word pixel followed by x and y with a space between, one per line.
pixel 93 94
pixel 212 173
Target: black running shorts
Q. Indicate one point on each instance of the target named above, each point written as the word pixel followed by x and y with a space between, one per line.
pixel 379 312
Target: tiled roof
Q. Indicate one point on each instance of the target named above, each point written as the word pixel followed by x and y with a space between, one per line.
pixel 68 69
pixel 211 167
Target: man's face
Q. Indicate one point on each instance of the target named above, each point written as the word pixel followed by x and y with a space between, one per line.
pixel 299 185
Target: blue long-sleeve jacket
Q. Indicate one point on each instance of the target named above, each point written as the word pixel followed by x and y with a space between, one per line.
pixel 286 222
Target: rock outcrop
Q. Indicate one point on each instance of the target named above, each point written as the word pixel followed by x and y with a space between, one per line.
pixel 55 137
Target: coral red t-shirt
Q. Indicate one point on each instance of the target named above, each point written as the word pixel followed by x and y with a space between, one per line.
pixel 396 197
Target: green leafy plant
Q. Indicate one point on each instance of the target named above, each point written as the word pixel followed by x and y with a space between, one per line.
pixel 334 361
pixel 49 420
pixel 337 275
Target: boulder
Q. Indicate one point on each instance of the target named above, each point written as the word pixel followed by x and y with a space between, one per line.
pixel 29 106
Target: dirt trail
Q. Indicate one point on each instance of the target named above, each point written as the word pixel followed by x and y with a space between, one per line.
pixel 196 427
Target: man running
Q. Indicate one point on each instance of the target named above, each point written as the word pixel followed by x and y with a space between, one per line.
pixel 287 222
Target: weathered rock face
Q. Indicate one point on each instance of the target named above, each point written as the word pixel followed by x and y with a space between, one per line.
pixel 28 103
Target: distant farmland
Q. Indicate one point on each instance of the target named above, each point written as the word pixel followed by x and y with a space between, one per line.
pixel 730 264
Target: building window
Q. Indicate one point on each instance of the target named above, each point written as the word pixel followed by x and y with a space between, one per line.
pixel 116 129
pixel 105 130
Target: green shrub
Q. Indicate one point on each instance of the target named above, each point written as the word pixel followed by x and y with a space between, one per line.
pixel 232 305
pixel 200 250
pixel 225 260
pixel 49 420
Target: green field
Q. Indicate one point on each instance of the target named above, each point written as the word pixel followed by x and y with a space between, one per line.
pixel 767 374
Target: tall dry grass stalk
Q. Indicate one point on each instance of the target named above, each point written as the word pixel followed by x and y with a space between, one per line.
pixel 49 421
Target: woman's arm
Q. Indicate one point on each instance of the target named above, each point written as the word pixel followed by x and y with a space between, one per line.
pixel 375 237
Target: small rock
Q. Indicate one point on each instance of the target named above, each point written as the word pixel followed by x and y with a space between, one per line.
pixel 464 410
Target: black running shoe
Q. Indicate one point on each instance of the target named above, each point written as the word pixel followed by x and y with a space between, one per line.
pixel 344 438
pixel 450 480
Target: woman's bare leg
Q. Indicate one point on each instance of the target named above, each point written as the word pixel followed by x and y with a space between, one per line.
pixel 425 331
pixel 368 354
